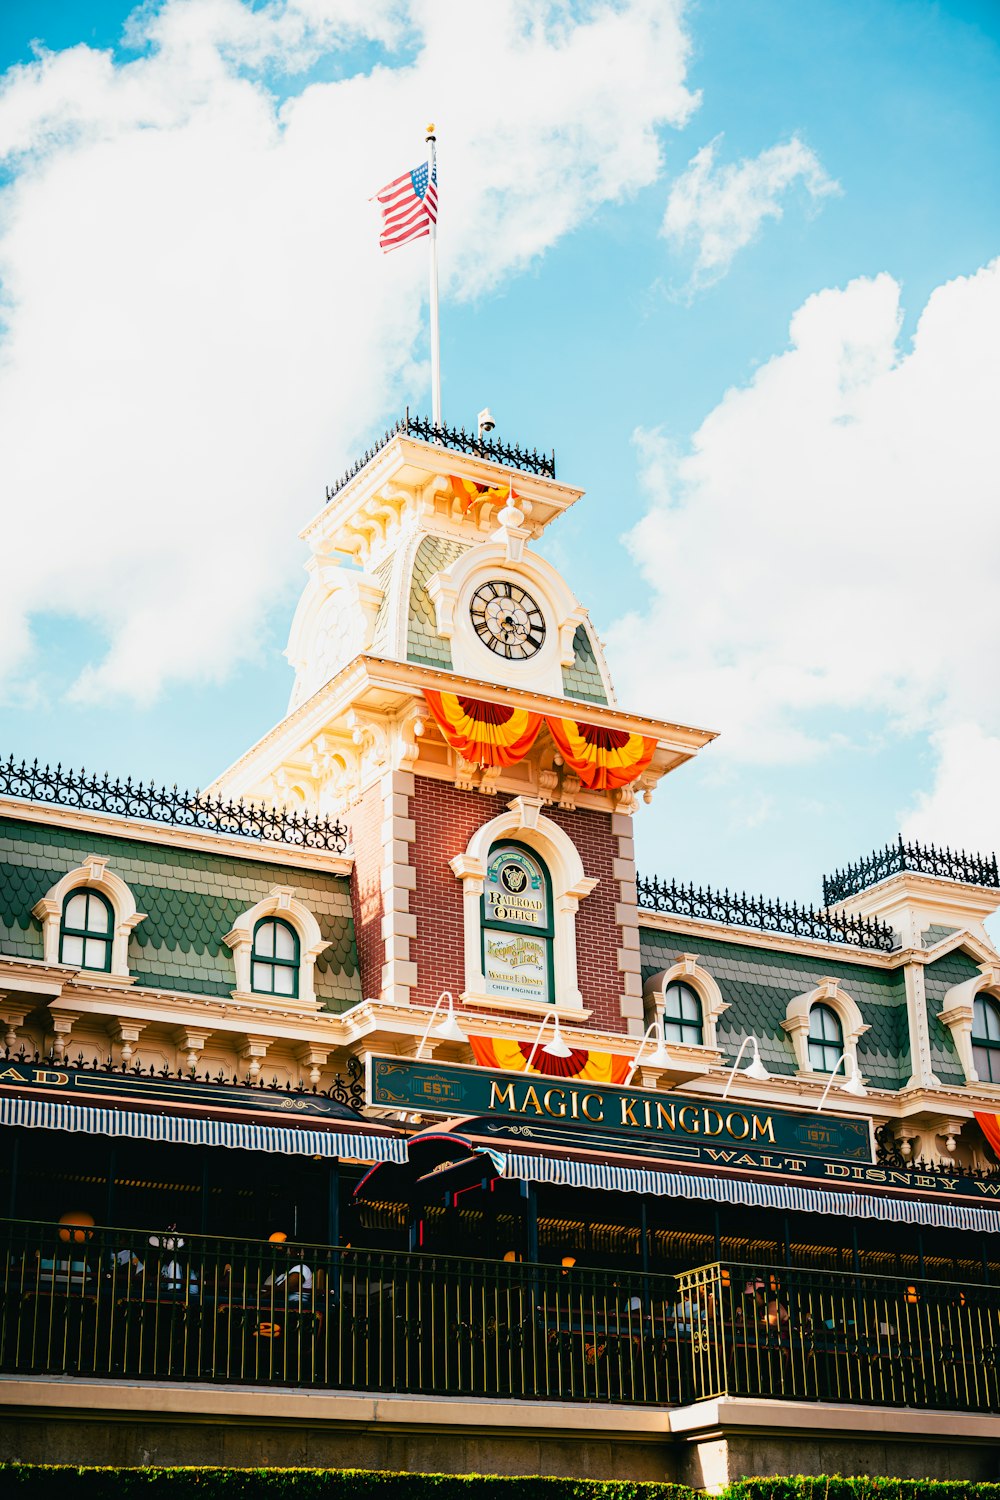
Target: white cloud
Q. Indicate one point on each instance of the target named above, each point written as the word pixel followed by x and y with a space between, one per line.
pixel 829 542
pixel 199 326
pixel 719 209
pixel 962 809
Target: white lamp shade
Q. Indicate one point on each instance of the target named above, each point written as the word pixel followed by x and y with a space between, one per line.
pixel 756 1069
pixel 448 1030
pixel 557 1047
pixel 853 1085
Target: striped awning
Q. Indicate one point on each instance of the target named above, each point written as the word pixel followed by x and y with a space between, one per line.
pixel 44 1114
pixel 751 1193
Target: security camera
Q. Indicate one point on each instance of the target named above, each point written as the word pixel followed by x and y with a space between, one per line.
pixel 485 421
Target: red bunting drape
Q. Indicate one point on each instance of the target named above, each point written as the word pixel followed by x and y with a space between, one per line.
pixel 990 1126
pixel 512 1057
pixel 604 759
pixel 494 734
pixel 488 734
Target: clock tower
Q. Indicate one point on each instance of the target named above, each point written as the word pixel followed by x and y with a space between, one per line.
pixel 453 706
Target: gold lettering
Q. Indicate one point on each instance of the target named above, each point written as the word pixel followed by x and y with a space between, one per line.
pixel 686 1109
pixel 795 1163
pixel 763 1128
pixel 874 1174
pixel 723 1156
pixel 645 1110
pixel 42 1075
pixel 594 1119
pixel 737 1135
pixel 628 1118
pixel 832 1169
pixel 501 1094
pixel 559 1113
pixel 531 1098
pixel 665 1116
pixel 12 1073
pixel 715 1116
pixel 574 1100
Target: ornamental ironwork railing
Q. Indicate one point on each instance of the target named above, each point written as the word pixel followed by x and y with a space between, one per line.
pixel 894 859
pixel 151 804
pixel 103 1303
pixel 459 441
pixel 832 1336
pixel 741 910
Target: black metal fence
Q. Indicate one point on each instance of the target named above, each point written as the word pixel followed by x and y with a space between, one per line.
pixel 819 1336
pixel 922 859
pixel 741 910
pixel 125 799
pixel 459 441
pixel 123 1304
pixel 115 1304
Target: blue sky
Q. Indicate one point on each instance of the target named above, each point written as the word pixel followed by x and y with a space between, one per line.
pixel 841 636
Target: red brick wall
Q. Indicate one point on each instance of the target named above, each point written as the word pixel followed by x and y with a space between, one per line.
pixel 366 890
pixel 445 820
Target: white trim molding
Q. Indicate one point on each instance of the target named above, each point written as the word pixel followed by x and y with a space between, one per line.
pixel 92 875
pixel 524 820
pixel 279 902
pixel 852 1024
pixel 688 970
pixel 957 1013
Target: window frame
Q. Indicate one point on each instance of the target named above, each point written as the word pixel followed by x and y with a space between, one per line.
pixel 273 962
pixel 986 1048
pixel 88 934
pixel 822 1041
pixel 546 933
pixel 681 1022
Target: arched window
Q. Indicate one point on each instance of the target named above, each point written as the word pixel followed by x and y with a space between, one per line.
pixel 517 925
pixel 274 959
pixel 826 1039
pixel 986 1038
pixel 682 1015
pixel 86 931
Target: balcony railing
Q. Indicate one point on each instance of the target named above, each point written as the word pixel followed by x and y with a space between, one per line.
pixel 818 1336
pixel 922 859
pixel 114 1304
pixel 741 910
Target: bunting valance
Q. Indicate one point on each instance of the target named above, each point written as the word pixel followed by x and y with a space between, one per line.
pixel 488 734
pixel 512 1057
pixel 494 734
pixel 990 1126
pixel 604 759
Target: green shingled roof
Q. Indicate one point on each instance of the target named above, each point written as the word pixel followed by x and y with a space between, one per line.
pixel 758 984
pixel 191 900
pixel 583 678
pixel 939 977
pixel 423 644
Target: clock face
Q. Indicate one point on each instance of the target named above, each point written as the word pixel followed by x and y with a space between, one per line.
pixel 507 619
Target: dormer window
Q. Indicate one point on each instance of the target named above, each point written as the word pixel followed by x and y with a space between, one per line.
pixel 274 961
pixel 986 1039
pixel 86 931
pixel 826 1039
pixel 683 1023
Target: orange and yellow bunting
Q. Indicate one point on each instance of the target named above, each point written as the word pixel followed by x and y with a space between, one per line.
pixel 990 1126
pixel 604 759
pixel 512 1057
pixel 488 734
pixel 470 493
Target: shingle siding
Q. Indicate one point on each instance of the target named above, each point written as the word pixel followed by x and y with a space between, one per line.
pixel 191 900
pixel 759 984
pixel 423 644
pixel 583 679
pixel 939 977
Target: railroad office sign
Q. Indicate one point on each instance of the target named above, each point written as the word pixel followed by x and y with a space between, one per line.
pixel 548 1110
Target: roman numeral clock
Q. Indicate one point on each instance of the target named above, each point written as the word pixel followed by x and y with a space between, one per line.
pixel 507 619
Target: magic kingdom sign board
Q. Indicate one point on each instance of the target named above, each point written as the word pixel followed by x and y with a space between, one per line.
pixel 530 1109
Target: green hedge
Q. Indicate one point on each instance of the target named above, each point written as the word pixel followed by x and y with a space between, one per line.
pixel 836 1487
pixel 28 1481
pixel 40 1481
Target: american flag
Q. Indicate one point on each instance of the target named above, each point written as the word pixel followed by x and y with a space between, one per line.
pixel 409 207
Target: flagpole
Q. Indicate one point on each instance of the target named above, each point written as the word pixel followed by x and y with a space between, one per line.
pixel 435 326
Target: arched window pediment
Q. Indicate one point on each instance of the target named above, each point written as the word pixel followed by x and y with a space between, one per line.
pixel 971 1012
pixel 277 943
pixel 87 918
pixel 812 1021
pixel 690 1002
